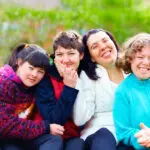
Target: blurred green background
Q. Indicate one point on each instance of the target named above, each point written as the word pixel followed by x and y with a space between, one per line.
pixel 122 18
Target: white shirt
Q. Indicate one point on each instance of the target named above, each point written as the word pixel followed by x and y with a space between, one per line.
pixel 94 103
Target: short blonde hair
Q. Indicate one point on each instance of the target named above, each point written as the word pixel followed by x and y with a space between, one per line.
pixel 130 48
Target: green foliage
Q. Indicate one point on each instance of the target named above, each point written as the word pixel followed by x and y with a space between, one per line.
pixel 121 17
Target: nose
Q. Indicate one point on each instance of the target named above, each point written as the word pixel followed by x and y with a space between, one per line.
pixel 102 46
pixel 66 59
pixel 34 73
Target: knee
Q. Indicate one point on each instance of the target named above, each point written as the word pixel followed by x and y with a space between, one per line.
pixel 57 141
pixel 104 133
pixel 57 138
pixel 74 143
pixel 79 141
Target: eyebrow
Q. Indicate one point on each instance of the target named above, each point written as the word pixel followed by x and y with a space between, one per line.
pixel 93 44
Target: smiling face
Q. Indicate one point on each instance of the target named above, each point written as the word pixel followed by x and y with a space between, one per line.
pixel 29 74
pixel 140 63
pixel 102 49
pixel 68 57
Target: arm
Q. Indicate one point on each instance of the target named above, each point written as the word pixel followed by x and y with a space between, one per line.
pixel 84 106
pixel 55 111
pixel 11 126
pixel 121 114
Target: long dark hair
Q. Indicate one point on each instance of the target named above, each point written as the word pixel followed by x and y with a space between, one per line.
pixel 88 66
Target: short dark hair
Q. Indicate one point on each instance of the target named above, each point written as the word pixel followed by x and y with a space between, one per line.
pixel 68 39
pixel 89 66
pixel 31 53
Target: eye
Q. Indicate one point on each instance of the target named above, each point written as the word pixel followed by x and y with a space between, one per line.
pixel 105 40
pixel 71 53
pixel 94 47
pixel 31 68
pixel 140 57
pixel 41 71
pixel 59 54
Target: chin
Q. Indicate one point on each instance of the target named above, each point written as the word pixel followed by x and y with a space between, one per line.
pixel 144 77
pixel 30 84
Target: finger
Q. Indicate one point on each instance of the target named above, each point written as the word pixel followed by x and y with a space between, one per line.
pixel 60 130
pixel 143 140
pixel 143 145
pixel 59 127
pixel 58 62
pixel 57 133
pixel 148 145
pixel 143 126
pixel 139 134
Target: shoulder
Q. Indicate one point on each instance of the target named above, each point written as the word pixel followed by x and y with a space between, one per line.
pixel 84 81
pixel 7 88
pixel 126 85
pixel 101 71
pixel 83 77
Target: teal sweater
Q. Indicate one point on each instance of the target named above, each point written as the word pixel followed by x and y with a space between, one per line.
pixel 131 107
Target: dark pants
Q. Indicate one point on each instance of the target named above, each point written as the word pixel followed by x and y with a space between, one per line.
pixel 103 139
pixel 45 142
pixel 121 146
pixel 74 144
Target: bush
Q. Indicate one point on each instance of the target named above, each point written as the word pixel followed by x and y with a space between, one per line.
pixel 123 18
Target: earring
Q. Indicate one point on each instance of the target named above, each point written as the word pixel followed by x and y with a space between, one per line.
pixel 92 60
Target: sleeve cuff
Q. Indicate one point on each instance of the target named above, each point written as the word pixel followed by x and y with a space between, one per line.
pixel 70 92
pixel 47 126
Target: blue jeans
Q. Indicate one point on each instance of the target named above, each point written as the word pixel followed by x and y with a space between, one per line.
pixel 74 144
pixel 121 146
pixel 103 139
pixel 45 142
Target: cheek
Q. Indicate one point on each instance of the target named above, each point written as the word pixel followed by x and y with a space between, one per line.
pixel 95 53
pixel 58 58
pixel 40 77
pixel 77 59
pixel 133 67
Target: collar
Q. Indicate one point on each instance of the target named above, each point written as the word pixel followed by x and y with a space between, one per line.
pixel 52 72
pixel 139 81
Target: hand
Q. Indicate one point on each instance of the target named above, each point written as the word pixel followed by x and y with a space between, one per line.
pixel 70 77
pixel 56 129
pixel 143 136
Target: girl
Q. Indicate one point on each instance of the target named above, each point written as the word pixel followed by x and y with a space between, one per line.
pixel 59 91
pixel 132 100
pixel 93 106
pixel 19 128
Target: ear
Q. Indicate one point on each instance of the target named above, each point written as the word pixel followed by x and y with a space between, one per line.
pixel 81 56
pixel 19 61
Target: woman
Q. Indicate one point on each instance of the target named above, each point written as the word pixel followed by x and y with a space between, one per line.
pixel 93 106
pixel 58 91
pixel 19 126
pixel 131 97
